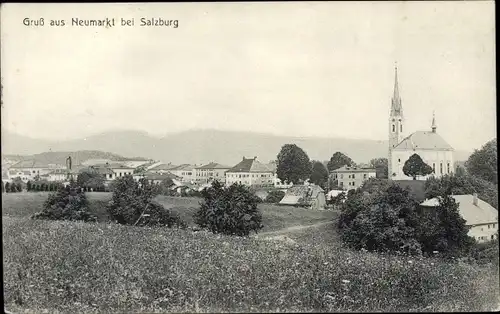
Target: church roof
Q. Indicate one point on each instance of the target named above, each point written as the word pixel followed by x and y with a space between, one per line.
pixel 396 106
pixel 426 140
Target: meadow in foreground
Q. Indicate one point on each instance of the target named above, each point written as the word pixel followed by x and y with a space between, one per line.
pixel 275 217
pixel 97 267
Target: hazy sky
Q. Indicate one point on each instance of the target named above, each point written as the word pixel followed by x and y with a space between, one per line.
pixel 302 69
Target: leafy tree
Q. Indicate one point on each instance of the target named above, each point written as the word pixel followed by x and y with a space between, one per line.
pixel 319 175
pixel 483 162
pixel 382 222
pixel 374 185
pixel 232 210
pixel 132 204
pixel 381 167
pixel 140 169
pixel 68 203
pixel 460 184
pixel 338 200
pixel 415 167
pixel 90 178
pixel 293 164
pixel 275 196
pixel 339 160
pixel 7 187
pixel 444 230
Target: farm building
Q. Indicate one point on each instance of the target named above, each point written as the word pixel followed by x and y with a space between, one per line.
pixel 480 217
pixel 311 196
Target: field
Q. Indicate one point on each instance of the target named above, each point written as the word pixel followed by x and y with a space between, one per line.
pixel 274 217
pixel 73 267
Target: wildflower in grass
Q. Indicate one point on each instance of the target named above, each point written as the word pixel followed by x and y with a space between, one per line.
pixel 346 281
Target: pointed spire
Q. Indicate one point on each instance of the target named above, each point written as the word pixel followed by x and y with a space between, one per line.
pixel 396 108
pixel 434 127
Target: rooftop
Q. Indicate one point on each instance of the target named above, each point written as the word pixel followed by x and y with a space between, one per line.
pixel 354 169
pixel 473 214
pixel 423 140
pixel 168 166
pixel 34 164
pixel 250 165
pixel 213 165
pixel 183 167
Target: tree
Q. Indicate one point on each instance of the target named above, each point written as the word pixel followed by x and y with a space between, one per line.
pixel 7 187
pixel 374 185
pixel 383 222
pixel 339 160
pixel 68 203
pixel 90 178
pixel 140 169
pixel 415 167
pixel 381 167
pixel 28 186
pixel 293 164
pixel 483 162
pixel 232 210
pixel 274 196
pixel 132 204
pixel 459 184
pixel 319 175
pixel 444 230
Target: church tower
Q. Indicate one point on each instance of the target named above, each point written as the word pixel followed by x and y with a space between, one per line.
pixel 396 121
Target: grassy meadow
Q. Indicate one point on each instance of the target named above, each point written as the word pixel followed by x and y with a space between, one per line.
pixel 73 267
pixel 275 217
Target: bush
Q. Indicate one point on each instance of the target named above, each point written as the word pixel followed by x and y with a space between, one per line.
pixel 390 220
pixel 132 204
pixel 274 196
pixel 231 210
pixel 67 203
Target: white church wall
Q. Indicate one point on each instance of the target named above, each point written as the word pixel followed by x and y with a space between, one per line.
pixel 430 157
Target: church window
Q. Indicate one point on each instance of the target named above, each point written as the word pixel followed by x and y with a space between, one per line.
pixel 448 166
pixel 399 159
pixel 441 167
pixel 353 175
pixel 393 128
pixel 434 167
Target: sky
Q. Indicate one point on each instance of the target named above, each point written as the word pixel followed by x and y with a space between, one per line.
pixel 302 69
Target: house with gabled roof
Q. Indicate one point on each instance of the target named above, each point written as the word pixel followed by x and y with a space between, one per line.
pixel 34 168
pixel 429 145
pixel 480 217
pixel 210 172
pixel 308 195
pixel 250 172
pixel 185 171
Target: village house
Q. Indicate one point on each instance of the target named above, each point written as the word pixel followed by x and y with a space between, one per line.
pixel 350 178
pixel 157 178
pixel 250 172
pixel 29 169
pixel 160 167
pixel 117 170
pixel 185 171
pixel 56 175
pixel 210 172
pixel 429 145
pixel 24 175
pixel 309 195
pixel 480 217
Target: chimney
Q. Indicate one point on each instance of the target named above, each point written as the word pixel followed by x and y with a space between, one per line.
pixel 474 199
pixel 243 158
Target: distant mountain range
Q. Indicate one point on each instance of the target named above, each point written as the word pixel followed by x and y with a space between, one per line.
pixel 195 146
pixel 77 157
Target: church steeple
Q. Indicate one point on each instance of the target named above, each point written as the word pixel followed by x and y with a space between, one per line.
pixel 396 108
pixel 434 126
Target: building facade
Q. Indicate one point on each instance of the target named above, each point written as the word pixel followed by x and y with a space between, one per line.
pixel 350 178
pixel 184 171
pixel 429 145
pixel 210 172
pixel 250 172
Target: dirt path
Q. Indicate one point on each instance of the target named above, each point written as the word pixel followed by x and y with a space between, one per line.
pixel 290 229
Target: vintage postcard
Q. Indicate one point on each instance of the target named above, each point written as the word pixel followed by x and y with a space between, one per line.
pixel 249 157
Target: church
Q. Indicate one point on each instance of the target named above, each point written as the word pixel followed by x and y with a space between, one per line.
pixel 429 145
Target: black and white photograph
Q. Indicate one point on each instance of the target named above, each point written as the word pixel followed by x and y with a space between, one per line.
pixel 249 157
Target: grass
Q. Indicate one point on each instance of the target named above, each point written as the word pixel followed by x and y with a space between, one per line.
pixel 275 217
pixel 76 267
